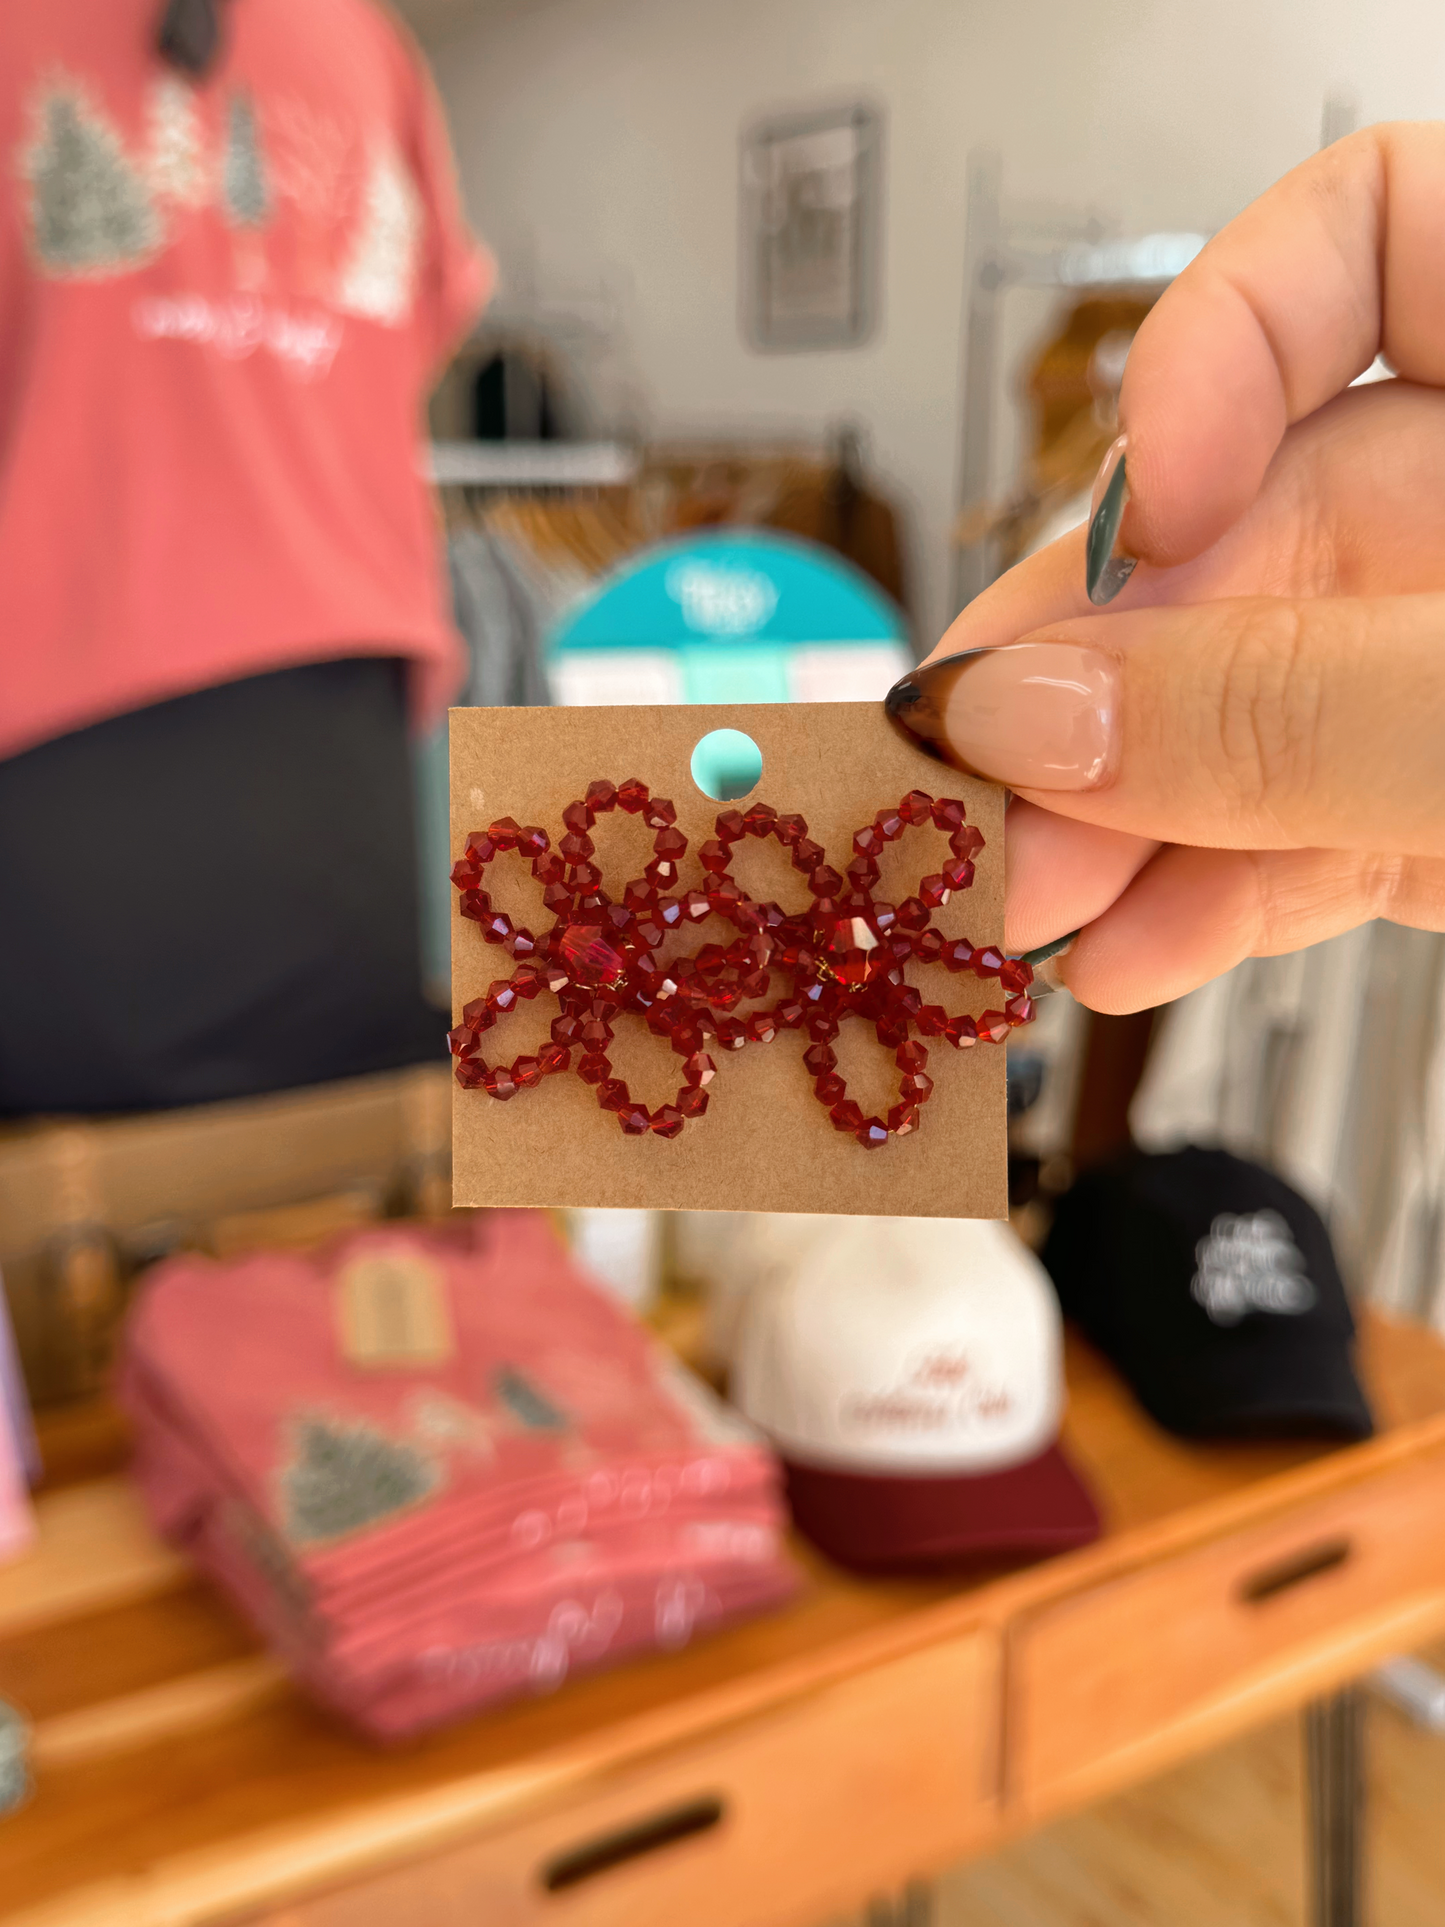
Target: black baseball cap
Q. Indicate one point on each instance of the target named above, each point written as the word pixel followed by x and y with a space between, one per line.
pixel 1212 1286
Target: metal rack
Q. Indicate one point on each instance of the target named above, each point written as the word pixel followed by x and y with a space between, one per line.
pixel 1018 248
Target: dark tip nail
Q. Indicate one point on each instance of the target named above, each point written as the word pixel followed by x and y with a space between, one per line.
pixel 1108 567
pixel 917 702
pixel 1044 962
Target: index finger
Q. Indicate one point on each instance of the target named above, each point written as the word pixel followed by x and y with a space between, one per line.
pixel 1338 262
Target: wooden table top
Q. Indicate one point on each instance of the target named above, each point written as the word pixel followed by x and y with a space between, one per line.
pixel 170 1752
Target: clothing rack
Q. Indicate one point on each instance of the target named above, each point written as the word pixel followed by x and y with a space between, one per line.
pixel 528 465
pixel 1021 248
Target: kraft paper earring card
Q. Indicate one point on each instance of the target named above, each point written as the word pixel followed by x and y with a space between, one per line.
pixel 737 958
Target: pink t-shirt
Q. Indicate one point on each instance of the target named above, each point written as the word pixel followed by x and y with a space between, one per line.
pixel 220 306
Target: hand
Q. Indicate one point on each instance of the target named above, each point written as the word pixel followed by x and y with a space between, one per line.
pixel 1247 753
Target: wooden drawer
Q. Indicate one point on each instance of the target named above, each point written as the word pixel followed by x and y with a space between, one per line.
pixel 1110 1683
pixel 812 1807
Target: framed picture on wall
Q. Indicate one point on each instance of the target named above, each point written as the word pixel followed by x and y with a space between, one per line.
pixel 811 221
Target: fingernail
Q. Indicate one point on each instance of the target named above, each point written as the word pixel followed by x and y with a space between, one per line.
pixel 1045 963
pixel 1108 566
pixel 1033 715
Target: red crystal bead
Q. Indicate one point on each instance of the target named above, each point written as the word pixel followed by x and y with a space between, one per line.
pixel 634 1119
pixel 480 848
pixel 911 1057
pixel 961 1032
pixel 846 1116
pixel 504 833
pixel 916 807
pixel 461 1040
pixel 791 1014
pixel 670 842
pixel 601 797
pixel 889 824
pixel 872 1134
pixel 692 1102
pixel 994 1026
pixel 912 914
pixel 526 1072
pixel 472 1073
pixel 883 916
pixel 731 1035
pixel 633 795
pixel 966 841
pixel 790 830
pixel 934 892
pixel 932 1020
pixel 958 873
pixel 807 855
pixel 699 1069
pixel 549 869
pixel 695 906
pixel 1015 976
pixel 659 813
pixel 595 1033
pixel 594 1070
pixel 533 842
pixel 989 961
pixel 496 926
pixel 661 873
pixel 577 847
pixel 762 1028
pixel 760 819
pixel 714 856
pixel 478 1015
pixel 566 1029
pixel 476 904
pixel 820 1058
pixel 554 1058
pixel 520 944
pixel 870 841
pixel 588 954
pixel 1019 1010
pixel 825 881
pixel 499 1083
pixel 917 1088
pixel 958 955
pixel 902 1119
pixel 730 826
pixel 862 871
pixel 466 874
pixel 830 1089
pixel 578 818
pixel 584 876
pixel 667 1121
pixel 928 946
pixel 557 897
pixel 502 995
pixel 612 1093
pixel 948 814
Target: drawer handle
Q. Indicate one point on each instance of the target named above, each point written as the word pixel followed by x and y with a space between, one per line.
pixel 1294 1571
pixel 609 1850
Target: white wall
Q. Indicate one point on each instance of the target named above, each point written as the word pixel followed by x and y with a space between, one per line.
pixel 598 142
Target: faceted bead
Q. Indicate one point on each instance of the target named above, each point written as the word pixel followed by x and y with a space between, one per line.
pixel 549 869
pixel 476 904
pixel 649 930
pixel 612 1093
pixel 667 1121
pixel 958 955
pixel 912 914
pixel 478 1015
pixel 911 1057
pixel 504 833
pixel 661 873
pixel 669 913
pixel 1015 976
pixel 830 1089
pixel 846 1116
pixel 807 855
pixel 578 818
pixel 883 916
pixel 554 1058
pixel 527 1072
pixel 594 1034
pixel 502 996
pixel 521 943
pixel 601 797
pixel 466 873
pixel 584 876
pixel 862 872
pixel 577 847
pixel 820 1059
pixel 714 856
pixel 588 954
pixel 527 981
pixel 659 813
pixel 869 841
pixel 872 1134
pixel 699 1070
pixel 754 984
pixel 533 842
pixel 966 841
pixel 633 795
pixel 791 1014
pixel 934 892
pixel 825 881
pixel 471 1073
pixel 762 1028
pixel 669 842
pixel 822 1026
pixel 557 897
pixel 891 1031
pixel 961 1032
pixel 994 1026
pixel 989 961
pixel 1019 1010
pixel 695 906
pixel 958 873
pixel 917 1089
pixel 500 1083
pixel 594 1070
pixel 889 825
pixel 928 946
pixel 639 894
pixel 725 896
pixel 731 1035
pixel 902 1119
pixel 566 1029
pixel 790 830
pixel 759 820
pixel 932 1020
pixel 480 847
pixel 916 807
pixel 948 814
pixel 462 1039
pixel 635 1119
pixel 692 1102
pixel 731 827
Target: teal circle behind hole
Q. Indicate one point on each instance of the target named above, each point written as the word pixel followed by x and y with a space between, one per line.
pixel 726 764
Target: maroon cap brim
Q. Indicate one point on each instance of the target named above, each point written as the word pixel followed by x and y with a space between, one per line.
pixel 901 1522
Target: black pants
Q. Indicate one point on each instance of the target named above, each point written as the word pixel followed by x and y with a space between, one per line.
pixel 213 897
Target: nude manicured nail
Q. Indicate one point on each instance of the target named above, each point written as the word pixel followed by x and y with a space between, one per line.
pixel 1033 715
pixel 1108 564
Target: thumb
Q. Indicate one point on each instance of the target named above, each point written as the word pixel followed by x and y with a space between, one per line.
pixel 1259 723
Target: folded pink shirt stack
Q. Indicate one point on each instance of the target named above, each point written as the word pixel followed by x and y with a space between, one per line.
pixel 440 1468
